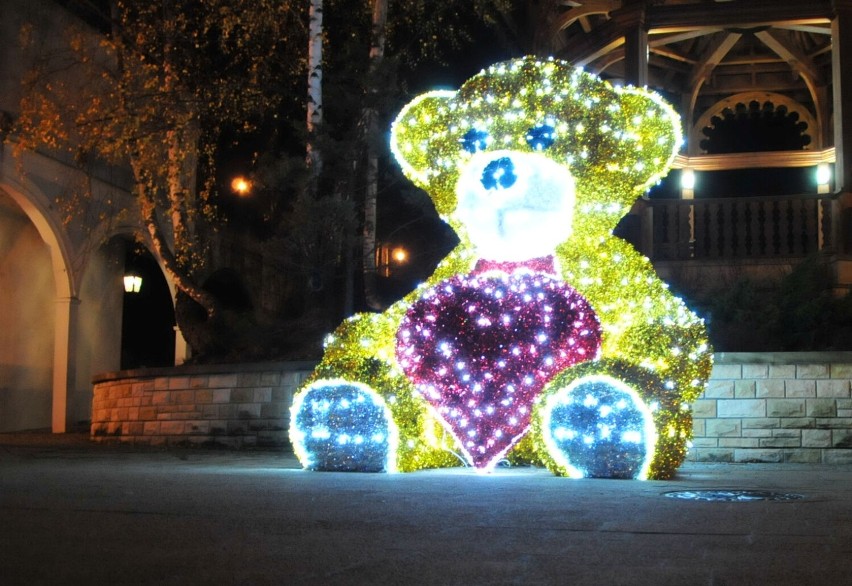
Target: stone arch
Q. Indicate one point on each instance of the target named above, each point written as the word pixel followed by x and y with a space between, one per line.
pixel 26 321
pixel 35 206
pixel 695 132
pixel 135 235
pixel 61 365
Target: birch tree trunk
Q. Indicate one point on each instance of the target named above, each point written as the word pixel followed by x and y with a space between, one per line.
pixel 370 116
pixel 315 31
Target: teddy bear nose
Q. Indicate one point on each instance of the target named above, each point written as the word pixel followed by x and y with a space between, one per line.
pixel 499 174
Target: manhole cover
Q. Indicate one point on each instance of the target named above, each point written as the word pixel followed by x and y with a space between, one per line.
pixel 733 495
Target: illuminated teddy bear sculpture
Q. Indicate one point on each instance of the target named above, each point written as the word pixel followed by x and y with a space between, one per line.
pixel 541 338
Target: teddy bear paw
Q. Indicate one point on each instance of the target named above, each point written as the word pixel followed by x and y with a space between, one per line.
pixel 343 426
pixel 599 427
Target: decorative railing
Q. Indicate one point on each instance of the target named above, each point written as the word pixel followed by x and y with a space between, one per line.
pixel 745 227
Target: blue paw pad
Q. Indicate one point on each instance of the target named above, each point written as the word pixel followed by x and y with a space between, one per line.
pixel 337 425
pixel 599 427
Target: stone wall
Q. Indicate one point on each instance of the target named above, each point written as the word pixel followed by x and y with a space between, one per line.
pixel 229 405
pixel 776 407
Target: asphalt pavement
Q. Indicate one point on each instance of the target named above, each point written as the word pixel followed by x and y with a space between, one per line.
pixel 73 512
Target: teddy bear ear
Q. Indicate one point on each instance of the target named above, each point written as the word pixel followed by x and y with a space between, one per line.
pixel 653 136
pixel 414 131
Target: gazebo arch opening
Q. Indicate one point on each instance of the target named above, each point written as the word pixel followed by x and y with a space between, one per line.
pixel 755 127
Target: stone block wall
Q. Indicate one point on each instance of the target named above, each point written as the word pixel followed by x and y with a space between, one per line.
pixel 776 407
pixel 780 407
pixel 229 405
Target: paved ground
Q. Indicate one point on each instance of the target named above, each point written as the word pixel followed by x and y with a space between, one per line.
pixel 76 513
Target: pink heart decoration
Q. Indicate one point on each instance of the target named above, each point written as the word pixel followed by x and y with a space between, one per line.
pixel 480 348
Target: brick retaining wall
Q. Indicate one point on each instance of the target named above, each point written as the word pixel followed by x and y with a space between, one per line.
pixel 776 407
pixel 231 405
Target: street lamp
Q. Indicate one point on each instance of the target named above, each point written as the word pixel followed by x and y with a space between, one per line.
pixel 240 185
pixel 132 283
pixel 387 255
pixel 400 255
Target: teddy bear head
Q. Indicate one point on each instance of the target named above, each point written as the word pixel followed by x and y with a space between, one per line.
pixel 530 152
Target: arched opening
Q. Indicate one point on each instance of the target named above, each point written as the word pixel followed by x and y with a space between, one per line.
pixel 147 318
pixel 755 122
pixel 27 321
pixel 755 127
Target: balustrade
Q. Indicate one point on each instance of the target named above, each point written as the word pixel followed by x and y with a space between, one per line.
pixel 744 227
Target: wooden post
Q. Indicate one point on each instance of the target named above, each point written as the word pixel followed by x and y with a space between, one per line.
pixel 636 47
pixel 646 226
pixel 841 71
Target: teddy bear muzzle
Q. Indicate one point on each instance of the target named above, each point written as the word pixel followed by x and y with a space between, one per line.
pixel 515 205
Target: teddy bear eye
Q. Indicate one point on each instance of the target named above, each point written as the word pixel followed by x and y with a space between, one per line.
pixel 474 140
pixel 541 137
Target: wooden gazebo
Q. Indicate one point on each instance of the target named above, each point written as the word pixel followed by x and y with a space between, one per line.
pixel 712 60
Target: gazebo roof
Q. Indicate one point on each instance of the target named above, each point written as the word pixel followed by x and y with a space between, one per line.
pixel 704 54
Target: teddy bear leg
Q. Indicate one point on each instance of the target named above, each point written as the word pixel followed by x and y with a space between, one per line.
pixel 339 425
pixel 599 427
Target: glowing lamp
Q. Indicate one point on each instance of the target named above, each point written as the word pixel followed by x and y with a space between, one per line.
pixel 687 179
pixel 132 283
pixel 386 255
pixel 823 177
pixel 400 255
pixel 687 184
pixel 241 186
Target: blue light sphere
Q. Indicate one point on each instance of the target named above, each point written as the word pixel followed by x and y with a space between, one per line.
pixel 599 427
pixel 342 426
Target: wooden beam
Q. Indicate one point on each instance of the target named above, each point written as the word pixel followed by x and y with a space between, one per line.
pixel 675 18
pixel 581 50
pixel 655 62
pixel 678 22
pixel 659 39
pixel 583 10
pixel 669 54
pixel 773 159
pixel 720 88
pixel 711 58
pixel 792 55
pixel 815 30
pixel 731 67
pixel 754 61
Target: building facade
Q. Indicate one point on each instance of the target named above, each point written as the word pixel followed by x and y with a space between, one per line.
pixel 62 257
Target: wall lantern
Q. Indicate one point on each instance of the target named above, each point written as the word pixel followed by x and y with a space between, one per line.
pixel 132 283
